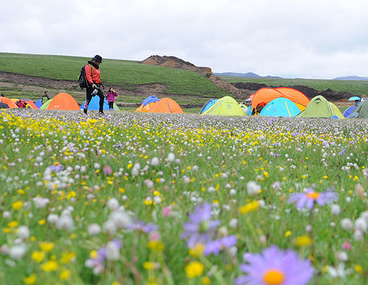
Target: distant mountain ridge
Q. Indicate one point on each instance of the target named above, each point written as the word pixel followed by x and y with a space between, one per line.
pixel 254 75
pixel 248 74
pixel 353 77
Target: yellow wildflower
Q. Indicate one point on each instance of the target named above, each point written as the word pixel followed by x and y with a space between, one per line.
pixel 31 279
pixel 13 224
pixel 17 205
pixel 49 266
pixel 66 257
pixel 47 246
pixel 194 269
pixel 358 269
pixel 156 245
pixel 303 240
pixel 148 265
pixel 197 250
pixel 65 274
pixel 205 280
pixel 252 206
pixel 38 256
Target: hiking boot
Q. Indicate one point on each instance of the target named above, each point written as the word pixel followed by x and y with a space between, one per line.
pixel 101 113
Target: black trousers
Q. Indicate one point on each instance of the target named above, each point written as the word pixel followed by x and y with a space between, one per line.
pixel 100 94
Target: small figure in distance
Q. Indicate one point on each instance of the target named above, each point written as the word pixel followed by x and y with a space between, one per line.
pixel 2 95
pixel 45 97
pixel 110 96
pixel 21 104
pixel 93 76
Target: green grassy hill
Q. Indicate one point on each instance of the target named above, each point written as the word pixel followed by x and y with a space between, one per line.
pixel 130 76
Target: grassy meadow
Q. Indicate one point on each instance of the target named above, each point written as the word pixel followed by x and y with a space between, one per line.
pixel 181 199
pixel 127 74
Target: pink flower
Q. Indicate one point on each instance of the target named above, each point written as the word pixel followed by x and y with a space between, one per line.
pixel 166 212
pixel 107 170
pixel 346 245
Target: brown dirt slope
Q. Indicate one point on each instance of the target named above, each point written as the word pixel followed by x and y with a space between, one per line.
pixel 174 62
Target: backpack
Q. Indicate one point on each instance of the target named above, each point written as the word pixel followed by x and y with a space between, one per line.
pixel 82 80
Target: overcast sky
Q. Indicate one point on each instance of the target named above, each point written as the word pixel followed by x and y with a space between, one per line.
pixel 288 38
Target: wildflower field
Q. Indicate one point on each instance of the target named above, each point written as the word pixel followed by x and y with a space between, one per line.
pixel 133 198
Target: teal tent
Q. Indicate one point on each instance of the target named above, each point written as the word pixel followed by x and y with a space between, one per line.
pixel 208 105
pixel 280 107
pixel 95 104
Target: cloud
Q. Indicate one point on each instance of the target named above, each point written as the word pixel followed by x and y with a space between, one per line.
pixel 290 38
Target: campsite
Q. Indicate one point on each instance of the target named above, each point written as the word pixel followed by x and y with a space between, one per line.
pixel 156 192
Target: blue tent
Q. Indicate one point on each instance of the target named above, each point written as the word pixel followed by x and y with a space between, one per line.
pixel 208 105
pixel 38 103
pixel 95 104
pixel 150 99
pixel 348 111
pixel 280 107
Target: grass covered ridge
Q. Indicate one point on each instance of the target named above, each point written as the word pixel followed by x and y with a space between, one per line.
pixel 127 74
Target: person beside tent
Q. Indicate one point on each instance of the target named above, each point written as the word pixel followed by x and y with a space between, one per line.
pixel 110 96
pixel 93 76
pixel 45 97
pixel 258 108
pixel 2 95
pixel 21 104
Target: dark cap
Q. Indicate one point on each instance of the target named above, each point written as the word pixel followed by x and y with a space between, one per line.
pixel 98 58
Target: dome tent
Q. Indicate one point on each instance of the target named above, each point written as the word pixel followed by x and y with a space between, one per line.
pixel 280 107
pixel 38 103
pixel 226 106
pixel 95 104
pixel 166 105
pixel 360 111
pixel 62 101
pixel 208 105
pixel 9 102
pixel 147 104
pixel 266 95
pixel 320 107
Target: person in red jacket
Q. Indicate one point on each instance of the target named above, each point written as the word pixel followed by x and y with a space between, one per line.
pixel 93 76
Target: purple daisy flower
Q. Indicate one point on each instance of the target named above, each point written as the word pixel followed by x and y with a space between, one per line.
pixel 56 167
pixel 311 197
pixel 200 228
pixel 218 245
pixel 142 226
pixel 275 266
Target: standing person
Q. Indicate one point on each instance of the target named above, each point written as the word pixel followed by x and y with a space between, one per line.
pixel 110 96
pixel 45 97
pixel 93 76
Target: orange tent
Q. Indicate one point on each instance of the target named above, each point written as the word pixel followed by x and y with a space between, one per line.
pixel 266 95
pixel 294 95
pixel 145 108
pixel 30 103
pixel 63 101
pixel 166 105
pixel 8 102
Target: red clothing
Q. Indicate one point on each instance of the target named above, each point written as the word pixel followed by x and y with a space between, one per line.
pixel 111 96
pixel 96 75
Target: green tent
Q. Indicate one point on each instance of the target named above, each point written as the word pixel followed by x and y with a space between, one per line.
pixel 360 111
pixel 226 106
pixel 320 107
pixel 46 104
